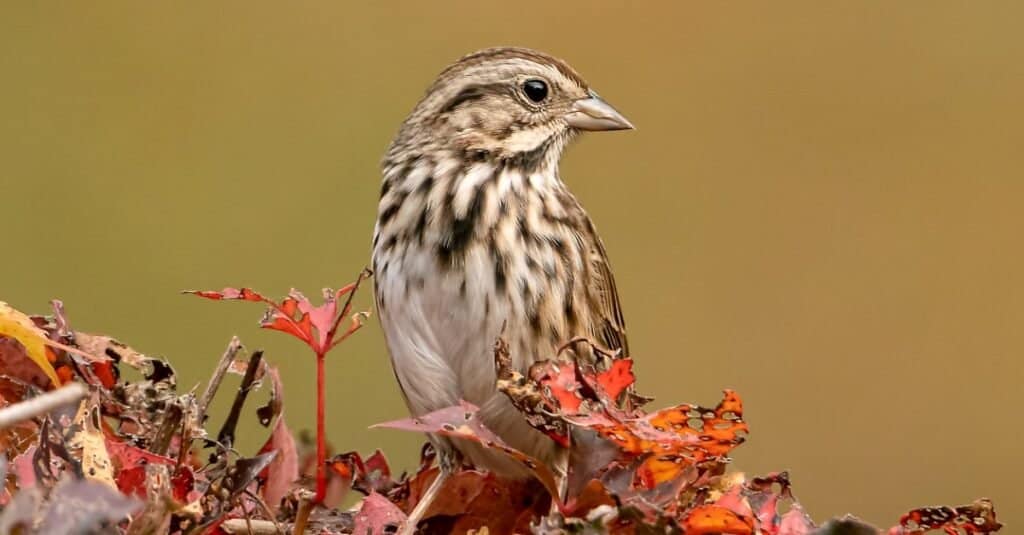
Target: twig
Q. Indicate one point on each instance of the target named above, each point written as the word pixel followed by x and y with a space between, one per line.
pixel 302 515
pixel 171 422
pixel 42 404
pixel 249 527
pixel 189 419
pixel 218 375
pixel 597 348
pixel 227 431
pixel 266 509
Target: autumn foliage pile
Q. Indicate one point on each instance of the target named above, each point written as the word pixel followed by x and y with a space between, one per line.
pixel 96 438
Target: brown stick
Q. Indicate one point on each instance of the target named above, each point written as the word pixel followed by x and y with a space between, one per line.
pixel 226 436
pixel 250 527
pixel 68 394
pixel 302 515
pixel 218 375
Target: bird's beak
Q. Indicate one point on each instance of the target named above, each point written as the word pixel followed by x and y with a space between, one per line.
pixel 593 113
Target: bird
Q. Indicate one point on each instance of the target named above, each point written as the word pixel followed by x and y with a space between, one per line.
pixel 477 237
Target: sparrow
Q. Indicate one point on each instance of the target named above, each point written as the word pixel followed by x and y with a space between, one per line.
pixel 477 237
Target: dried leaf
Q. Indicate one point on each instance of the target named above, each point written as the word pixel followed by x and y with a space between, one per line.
pixel 226 435
pixel 244 472
pixel 16 325
pixel 472 500
pixel 460 421
pixel 371 475
pixel 978 517
pixel 89 444
pixel 156 517
pixel 377 514
pixel 527 393
pixel 23 468
pixel 283 471
pixel 153 369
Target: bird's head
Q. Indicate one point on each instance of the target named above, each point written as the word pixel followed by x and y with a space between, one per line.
pixel 506 104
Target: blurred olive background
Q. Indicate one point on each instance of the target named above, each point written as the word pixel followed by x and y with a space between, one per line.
pixel 821 206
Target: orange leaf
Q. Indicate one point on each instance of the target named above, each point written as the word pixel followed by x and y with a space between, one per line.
pixel 711 519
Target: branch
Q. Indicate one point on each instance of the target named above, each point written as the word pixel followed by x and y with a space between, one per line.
pixel 226 435
pixel 42 404
pixel 218 375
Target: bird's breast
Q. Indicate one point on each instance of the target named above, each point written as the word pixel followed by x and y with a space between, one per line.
pixel 464 254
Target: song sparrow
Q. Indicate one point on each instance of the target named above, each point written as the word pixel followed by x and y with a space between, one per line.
pixel 476 233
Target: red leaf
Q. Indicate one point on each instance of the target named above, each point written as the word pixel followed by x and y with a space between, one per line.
pixel 105 372
pixel 795 522
pixel 320 317
pixel 378 464
pixel 244 294
pixel 132 481
pixel 298 317
pixel 130 462
pixel 23 469
pixel 283 470
pixel 759 498
pixel 371 475
pixel 183 482
pixel 376 514
pixel 126 456
pixel 315 325
pixel 560 380
pixel 617 378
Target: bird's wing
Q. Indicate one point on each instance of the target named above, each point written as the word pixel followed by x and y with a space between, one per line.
pixel 608 328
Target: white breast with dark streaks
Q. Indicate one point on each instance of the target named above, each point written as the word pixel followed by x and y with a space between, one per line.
pixel 441 321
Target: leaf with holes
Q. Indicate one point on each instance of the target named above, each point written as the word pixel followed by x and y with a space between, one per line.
pixel 978 517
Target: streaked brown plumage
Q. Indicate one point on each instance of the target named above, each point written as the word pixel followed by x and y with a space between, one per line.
pixel 476 232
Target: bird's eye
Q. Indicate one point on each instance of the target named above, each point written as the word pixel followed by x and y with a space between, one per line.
pixel 535 90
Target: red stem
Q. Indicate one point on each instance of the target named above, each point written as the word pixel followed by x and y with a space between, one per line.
pixel 321 431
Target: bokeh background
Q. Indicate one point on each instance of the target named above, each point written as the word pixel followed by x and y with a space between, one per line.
pixel 821 207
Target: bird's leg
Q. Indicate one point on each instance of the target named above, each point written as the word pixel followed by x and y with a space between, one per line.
pixel 560 466
pixel 448 464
